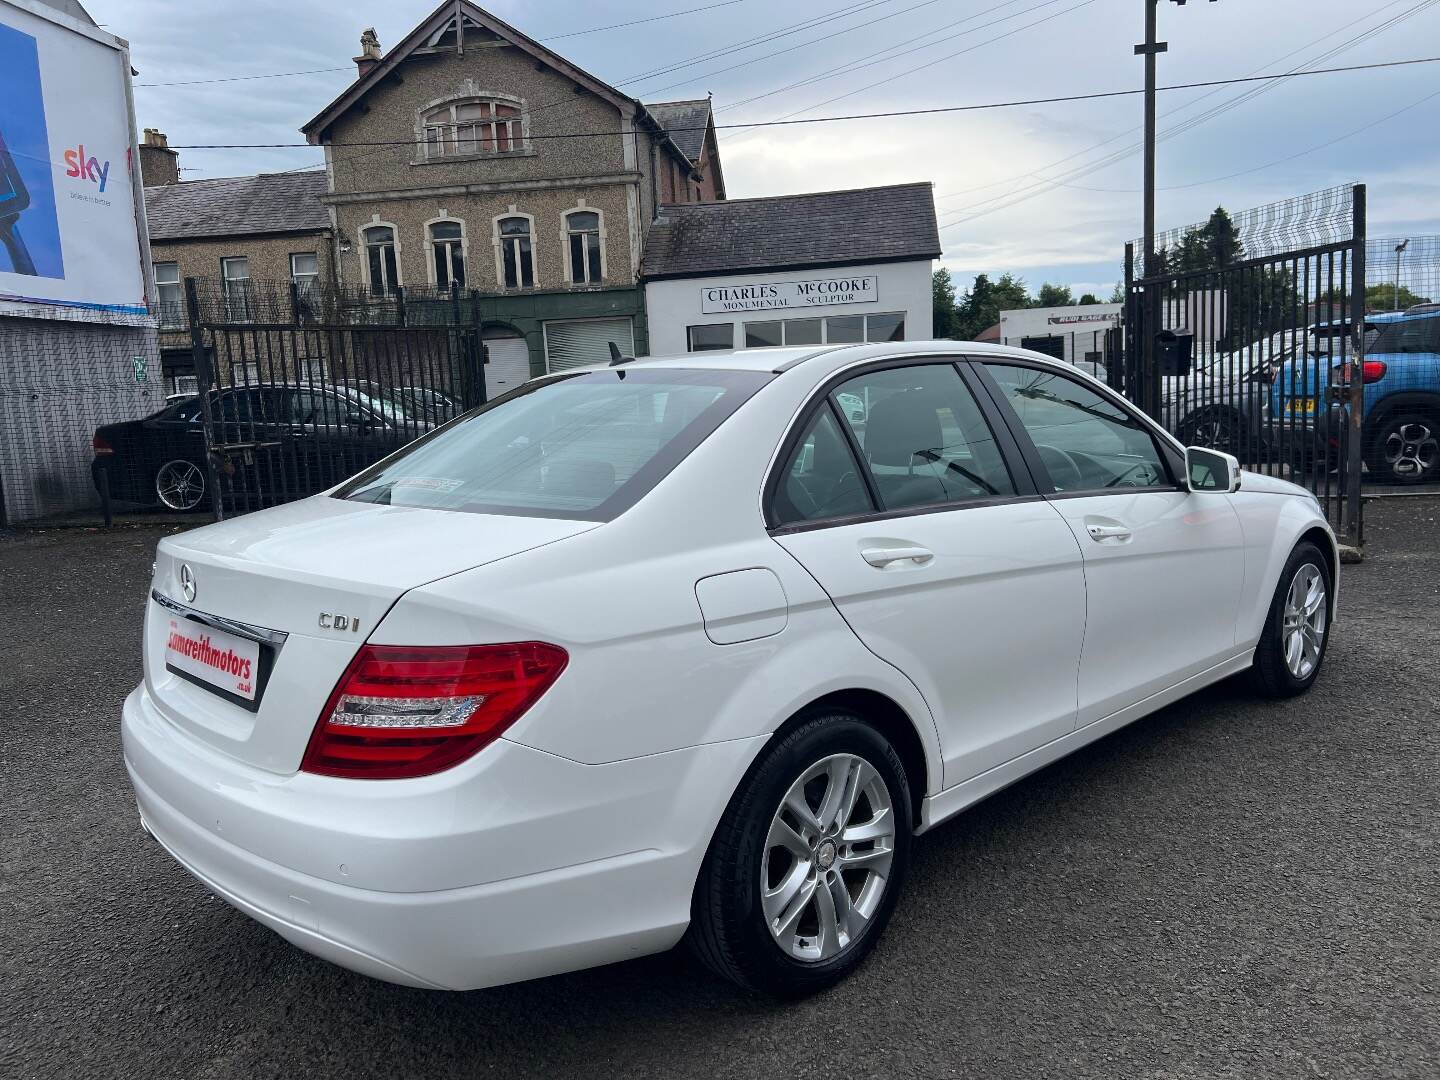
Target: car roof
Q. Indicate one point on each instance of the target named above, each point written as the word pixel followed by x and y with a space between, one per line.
pixel 822 359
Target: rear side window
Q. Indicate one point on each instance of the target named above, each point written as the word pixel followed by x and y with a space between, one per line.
pixel 1408 336
pixel 585 446
pixel 821 479
pixel 924 438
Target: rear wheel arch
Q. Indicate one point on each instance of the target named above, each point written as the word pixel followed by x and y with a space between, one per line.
pixel 1409 401
pixel 887 717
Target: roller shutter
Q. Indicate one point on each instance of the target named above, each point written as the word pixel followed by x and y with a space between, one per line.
pixel 586 341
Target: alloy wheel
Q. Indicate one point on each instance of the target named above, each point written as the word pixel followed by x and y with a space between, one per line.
pixel 180 484
pixel 827 858
pixel 1411 451
pixel 1303 630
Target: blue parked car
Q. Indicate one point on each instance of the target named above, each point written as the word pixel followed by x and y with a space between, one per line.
pixel 1402 394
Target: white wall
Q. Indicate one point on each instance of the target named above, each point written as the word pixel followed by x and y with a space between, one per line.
pixel 673 305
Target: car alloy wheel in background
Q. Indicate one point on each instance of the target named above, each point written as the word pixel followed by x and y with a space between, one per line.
pixel 827 857
pixel 180 484
pixel 1410 449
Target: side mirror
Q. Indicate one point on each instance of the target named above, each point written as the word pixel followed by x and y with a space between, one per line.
pixel 1211 470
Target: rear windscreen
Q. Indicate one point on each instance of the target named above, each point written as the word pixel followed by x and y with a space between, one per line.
pixel 585 446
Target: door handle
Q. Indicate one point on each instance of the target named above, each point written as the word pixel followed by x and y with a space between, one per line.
pixel 885 556
pixel 1102 533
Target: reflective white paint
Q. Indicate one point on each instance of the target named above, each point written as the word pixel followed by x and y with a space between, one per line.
pixel 1017 640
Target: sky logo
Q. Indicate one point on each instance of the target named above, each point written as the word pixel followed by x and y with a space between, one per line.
pixel 86 168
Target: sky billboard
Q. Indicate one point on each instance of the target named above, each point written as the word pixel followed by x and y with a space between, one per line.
pixel 69 232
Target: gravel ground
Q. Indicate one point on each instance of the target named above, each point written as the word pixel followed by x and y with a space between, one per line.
pixel 1229 888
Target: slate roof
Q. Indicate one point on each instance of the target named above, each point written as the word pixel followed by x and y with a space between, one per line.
pixel 826 228
pixel 237 206
pixel 685 122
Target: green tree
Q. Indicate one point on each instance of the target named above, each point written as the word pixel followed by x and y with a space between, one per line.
pixel 1117 294
pixel 1053 296
pixel 1088 298
pixel 947 316
pixel 1384 297
pixel 981 305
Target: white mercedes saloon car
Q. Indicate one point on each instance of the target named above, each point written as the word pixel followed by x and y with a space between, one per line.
pixel 691 648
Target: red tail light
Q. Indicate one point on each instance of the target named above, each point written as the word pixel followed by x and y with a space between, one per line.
pixel 401 711
pixel 99 445
pixel 1372 371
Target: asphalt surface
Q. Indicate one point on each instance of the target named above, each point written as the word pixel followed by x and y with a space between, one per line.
pixel 1229 888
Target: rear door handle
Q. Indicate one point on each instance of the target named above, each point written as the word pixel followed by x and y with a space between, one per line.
pixel 886 556
pixel 1102 533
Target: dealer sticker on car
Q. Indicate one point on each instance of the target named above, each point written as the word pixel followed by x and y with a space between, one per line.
pixel 217 659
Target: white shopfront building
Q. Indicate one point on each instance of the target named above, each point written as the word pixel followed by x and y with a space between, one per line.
pixel 793 270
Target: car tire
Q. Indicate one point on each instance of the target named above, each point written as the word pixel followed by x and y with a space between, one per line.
pixel 1405 448
pixel 1297 626
pixel 180 485
pixel 752 865
pixel 1215 428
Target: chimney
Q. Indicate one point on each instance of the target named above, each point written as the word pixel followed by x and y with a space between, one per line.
pixel 369 52
pixel 159 165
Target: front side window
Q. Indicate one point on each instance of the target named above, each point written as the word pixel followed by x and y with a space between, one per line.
pixel 381 266
pixel 517 258
pixel 172 301
pixel 447 253
pixel 923 437
pixel 476 126
pixel 582 229
pixel 1086 441
pixel 710 337
pixel 235 279
pixel 583 446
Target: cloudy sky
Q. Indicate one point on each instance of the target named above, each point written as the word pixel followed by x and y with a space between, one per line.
pixel 1049 192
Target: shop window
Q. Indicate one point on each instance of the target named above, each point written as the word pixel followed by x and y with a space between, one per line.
pixel 760 335
pixel 845 329
pixel 888 327
pixel 710 337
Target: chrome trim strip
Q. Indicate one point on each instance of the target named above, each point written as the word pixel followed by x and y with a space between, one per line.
pixel 230 626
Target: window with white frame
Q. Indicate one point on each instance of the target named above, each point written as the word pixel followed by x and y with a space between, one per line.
pixel 305 271
pixel 517 257
pixel 168 292
pixel 472 126
pixel 833 330
pixel 582 233
pixel 235 281
pixel 447 253
pixel 381 267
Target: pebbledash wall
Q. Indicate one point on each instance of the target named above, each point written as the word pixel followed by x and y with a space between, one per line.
pixel 873 291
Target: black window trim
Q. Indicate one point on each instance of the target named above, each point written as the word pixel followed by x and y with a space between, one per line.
pixel 824 396
pixel 1171 459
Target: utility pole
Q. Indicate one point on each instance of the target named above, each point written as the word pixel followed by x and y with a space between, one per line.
pixel 1150 50
pixel 1399 250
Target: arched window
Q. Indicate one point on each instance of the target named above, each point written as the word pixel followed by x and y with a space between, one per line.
pixel 582 234
pixel 381 267
pixel 472 126
pixel 447 253
pixel 517 257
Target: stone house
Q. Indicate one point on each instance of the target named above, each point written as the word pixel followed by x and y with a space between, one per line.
pixel 470 153
pixel 230 233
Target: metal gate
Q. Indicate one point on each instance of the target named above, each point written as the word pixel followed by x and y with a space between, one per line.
pixel 304 387
pixel 1248 334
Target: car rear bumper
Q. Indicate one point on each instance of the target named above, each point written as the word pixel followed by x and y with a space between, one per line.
pixel 311 858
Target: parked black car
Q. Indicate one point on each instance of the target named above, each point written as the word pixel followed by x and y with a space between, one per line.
pixel 272 442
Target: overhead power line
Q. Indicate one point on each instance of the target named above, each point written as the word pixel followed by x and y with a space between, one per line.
pixel 1098 95
pixel 349 67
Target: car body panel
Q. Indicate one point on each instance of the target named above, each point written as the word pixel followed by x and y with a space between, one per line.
pixel 577 837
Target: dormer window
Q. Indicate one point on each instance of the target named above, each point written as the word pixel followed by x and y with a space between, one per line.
pixel 472 127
